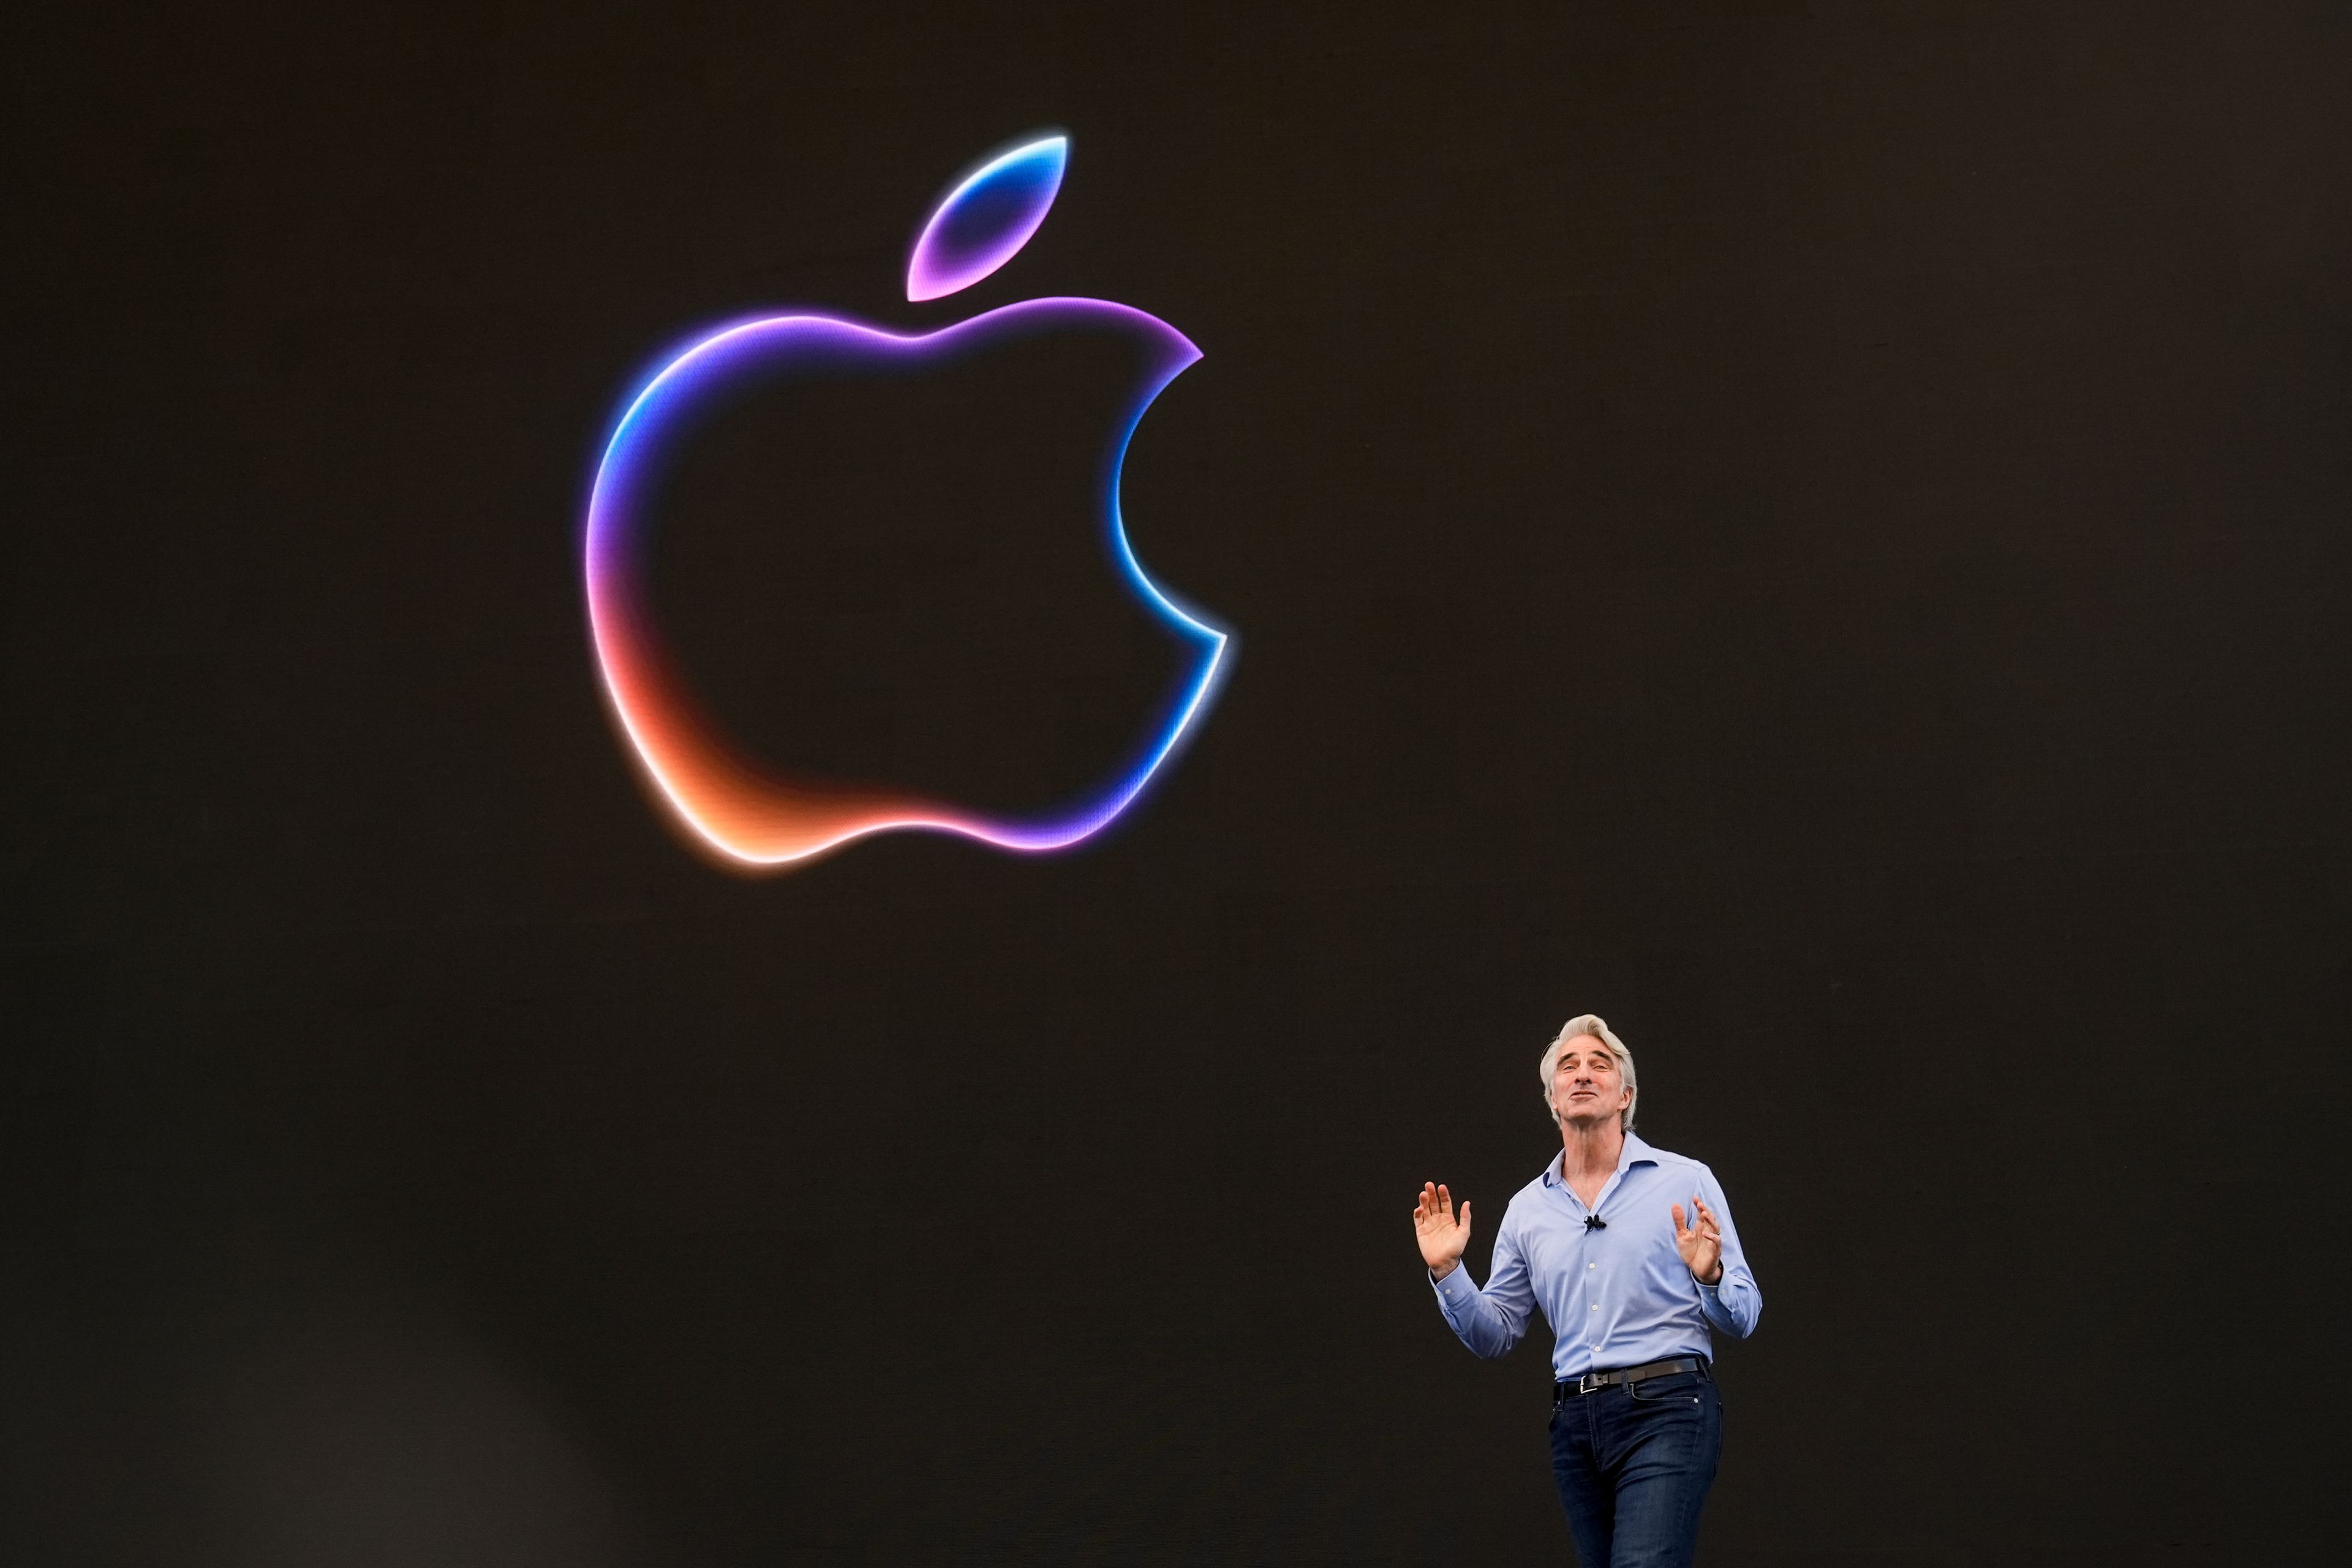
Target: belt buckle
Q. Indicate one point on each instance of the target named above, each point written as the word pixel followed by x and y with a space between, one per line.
pixel 1592 1382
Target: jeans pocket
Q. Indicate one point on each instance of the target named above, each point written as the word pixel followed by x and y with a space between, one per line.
pixel 1675 1388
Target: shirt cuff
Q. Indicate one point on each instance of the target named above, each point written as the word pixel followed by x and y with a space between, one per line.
pixel 1455 1290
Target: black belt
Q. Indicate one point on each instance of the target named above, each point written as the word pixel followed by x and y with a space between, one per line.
pixel 1594 1380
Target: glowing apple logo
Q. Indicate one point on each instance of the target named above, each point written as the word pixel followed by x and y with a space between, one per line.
pixel 749 813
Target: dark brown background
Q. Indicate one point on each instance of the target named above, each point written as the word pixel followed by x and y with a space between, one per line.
pixel 1818 531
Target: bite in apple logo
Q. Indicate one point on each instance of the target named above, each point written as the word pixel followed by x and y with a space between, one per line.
pixel 754 815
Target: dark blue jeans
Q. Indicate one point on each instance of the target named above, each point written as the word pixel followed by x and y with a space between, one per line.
pixel 1634 1462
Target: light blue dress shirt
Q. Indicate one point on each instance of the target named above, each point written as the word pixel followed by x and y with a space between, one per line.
pixel 1617 1297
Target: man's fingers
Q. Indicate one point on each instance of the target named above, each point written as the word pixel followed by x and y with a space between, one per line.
pixel 1702 1235
pixel 1436 1202
pixel 1681 1230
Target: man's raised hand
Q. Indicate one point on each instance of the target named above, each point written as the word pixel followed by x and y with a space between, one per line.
pixel 1442 1236
pixel 1700 1242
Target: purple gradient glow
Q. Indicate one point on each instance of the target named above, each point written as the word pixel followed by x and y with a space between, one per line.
pixel 747 813
pixel 983 222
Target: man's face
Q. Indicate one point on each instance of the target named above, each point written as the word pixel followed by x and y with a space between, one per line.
pixel 1586 1084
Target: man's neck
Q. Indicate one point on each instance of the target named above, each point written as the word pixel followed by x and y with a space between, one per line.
pixel 1590 1149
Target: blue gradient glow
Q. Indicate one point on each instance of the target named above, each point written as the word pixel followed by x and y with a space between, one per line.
pixel 748 813
pixel 754 817
pixel 985 220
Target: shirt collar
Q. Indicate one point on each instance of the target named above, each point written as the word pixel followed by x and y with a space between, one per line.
pixel 1634 1153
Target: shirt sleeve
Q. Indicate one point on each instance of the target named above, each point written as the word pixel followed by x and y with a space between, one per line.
pixel 1733 1303
pixel 1490 1321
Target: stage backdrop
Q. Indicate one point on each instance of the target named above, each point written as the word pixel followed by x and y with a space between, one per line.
pixel 1817 532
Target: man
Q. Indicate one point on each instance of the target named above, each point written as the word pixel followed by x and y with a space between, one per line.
pixel 1630 1281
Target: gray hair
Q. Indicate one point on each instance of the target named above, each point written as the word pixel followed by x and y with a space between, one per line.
pixel 1589 1024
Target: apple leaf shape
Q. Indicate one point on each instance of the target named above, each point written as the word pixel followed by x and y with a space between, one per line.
pixel 984 221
